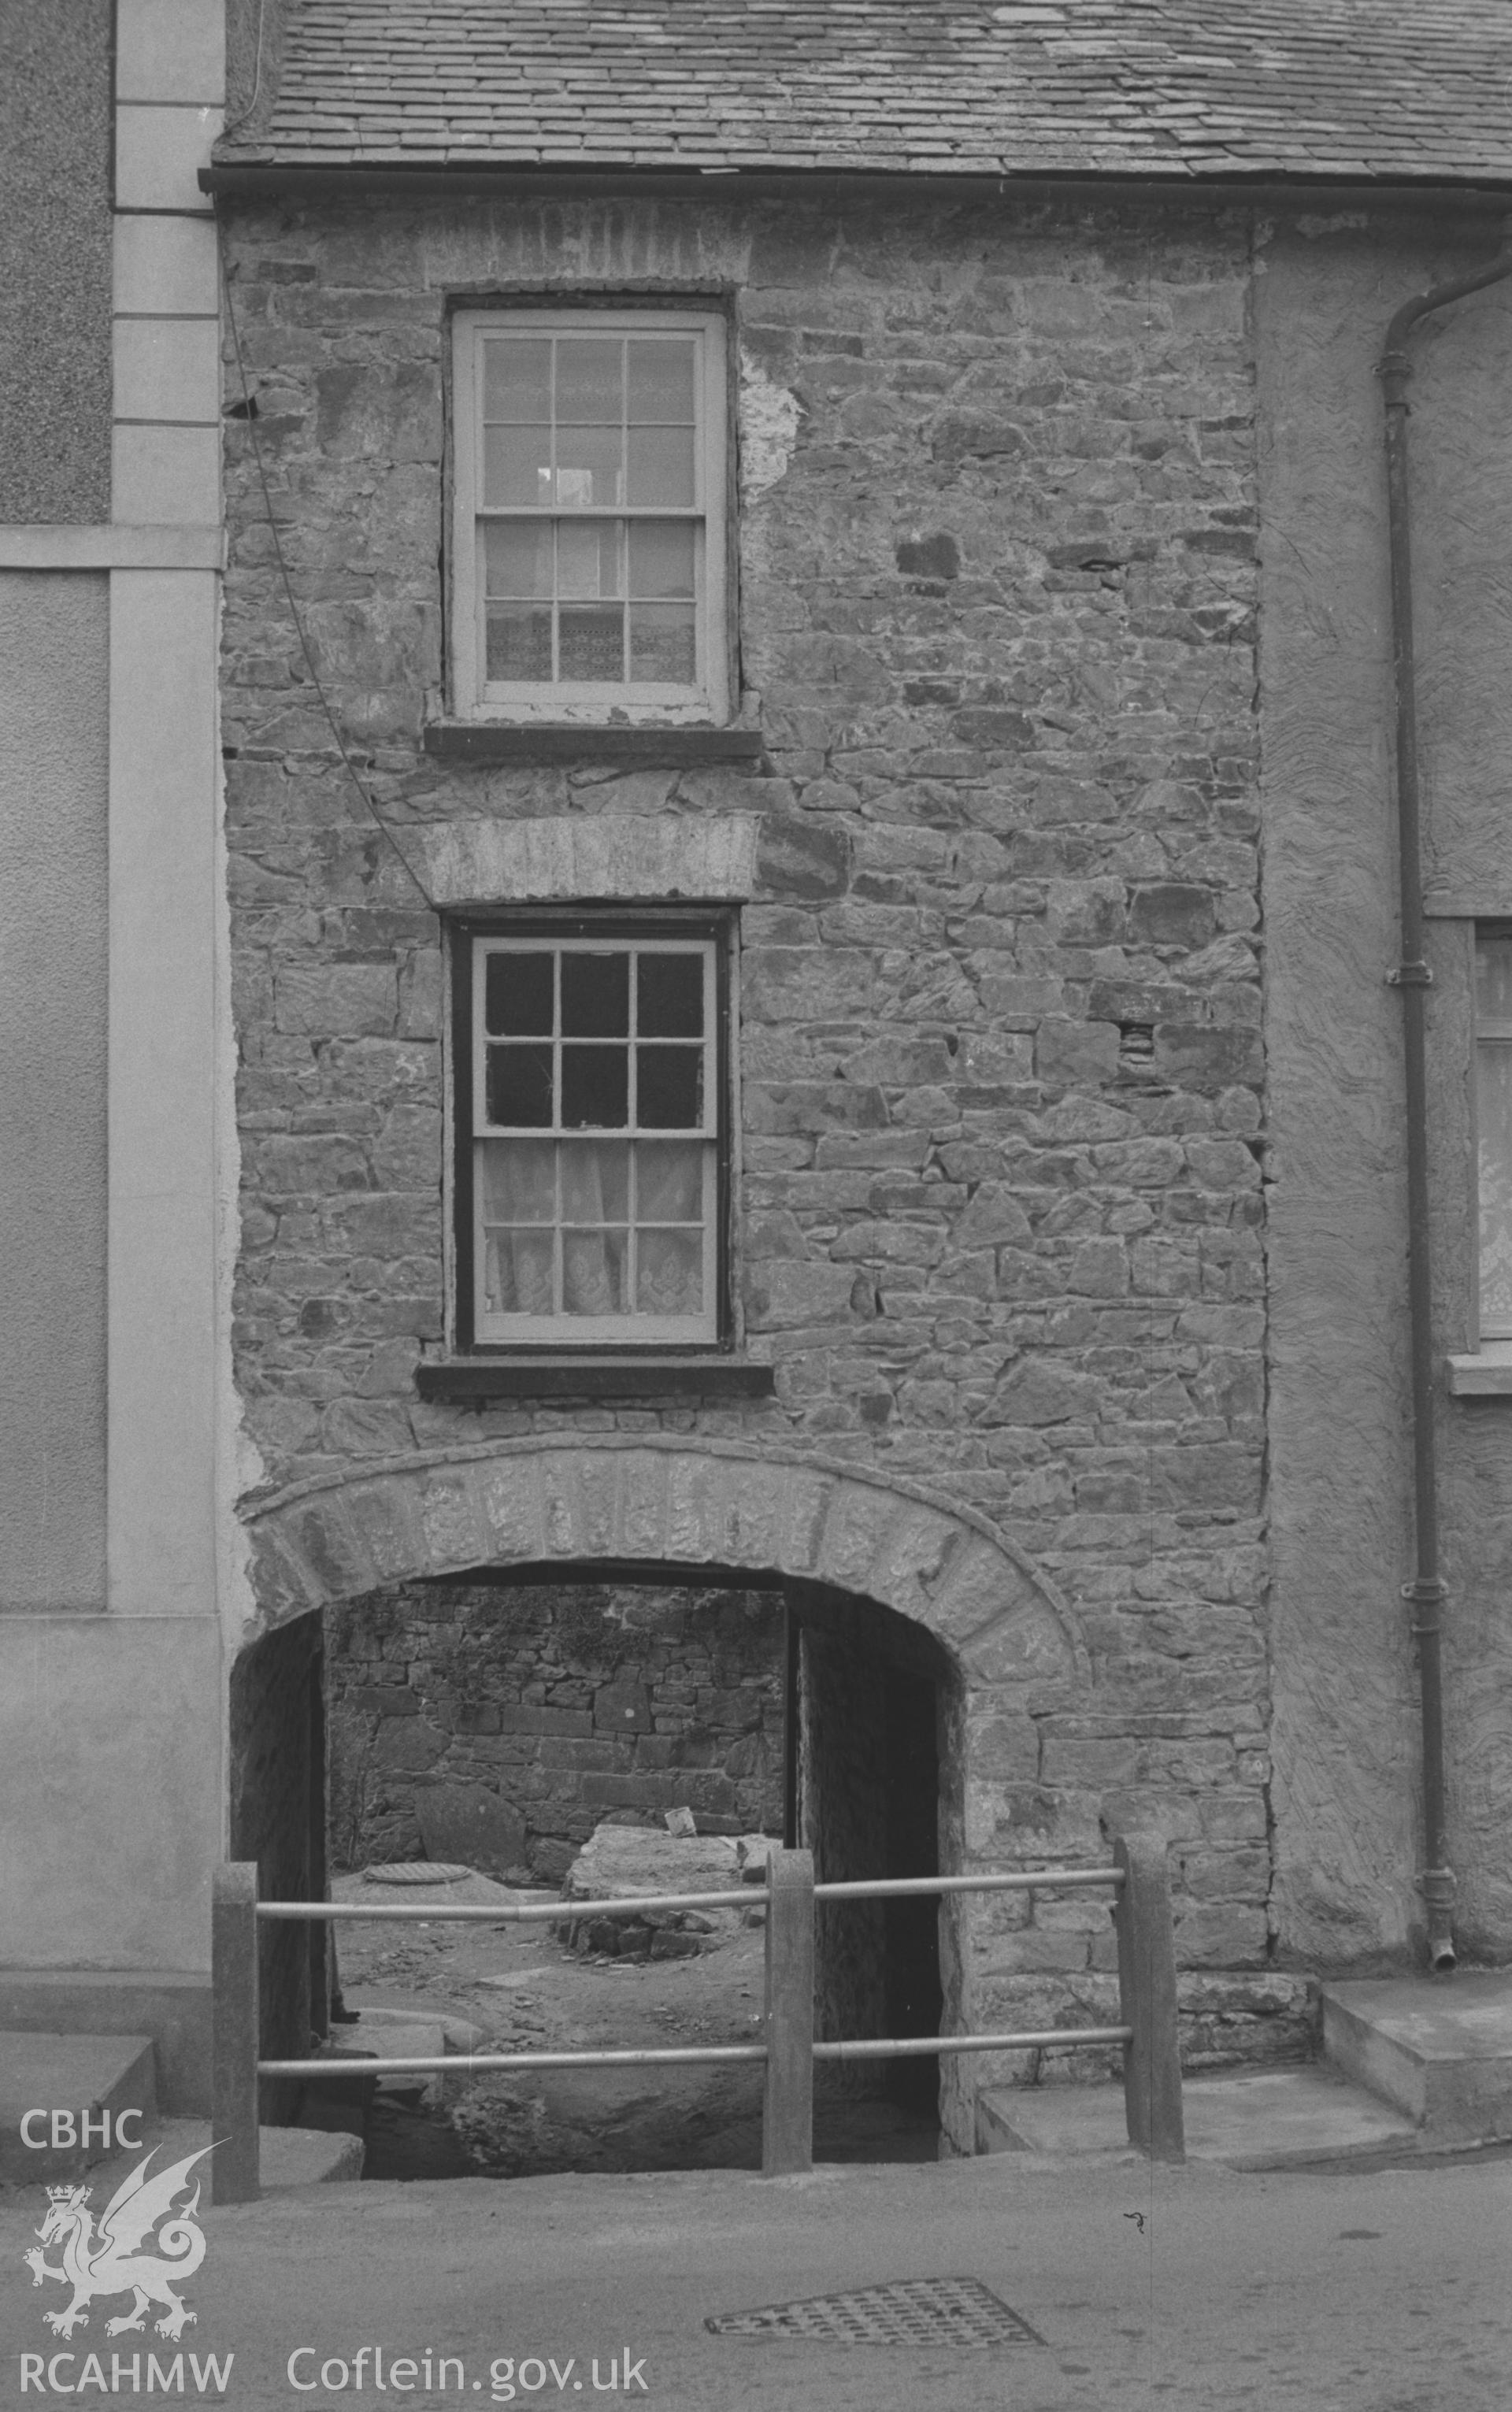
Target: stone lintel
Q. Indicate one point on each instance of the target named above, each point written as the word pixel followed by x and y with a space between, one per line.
pixel 629 859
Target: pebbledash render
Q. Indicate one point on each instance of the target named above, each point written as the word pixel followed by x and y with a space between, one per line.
pixel 1018 788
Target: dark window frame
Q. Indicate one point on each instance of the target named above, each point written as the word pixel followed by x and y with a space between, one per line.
pixel 610 924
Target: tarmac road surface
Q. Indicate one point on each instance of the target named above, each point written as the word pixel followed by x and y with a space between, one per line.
pixel 1193 2288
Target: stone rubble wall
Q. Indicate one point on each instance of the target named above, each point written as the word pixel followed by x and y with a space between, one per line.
pixel 566 1703
pixel 1001 1191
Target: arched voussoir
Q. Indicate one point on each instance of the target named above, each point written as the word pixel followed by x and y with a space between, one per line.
pixel 596 1498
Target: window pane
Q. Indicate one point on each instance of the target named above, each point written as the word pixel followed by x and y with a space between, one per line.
pixel 1493 980
pixel 593 1273
pixel 588 374
pixel 668 1087
pixel 519 1177
pixel 517 553
pixel 517 1272
pixel 590 469
pixel 669 1273
pixel 518 642
pixel 518 1087
pixel 661 382
pixel 596 1181
pixel 663 643
pixel 596 1088
pixel 669 1183
pixel 592 643
pixel 1494 1110
pixel 670 996
pixel 517 465
pixel 661 466
pixel 588 559
pixel 596 995
pixel 518 997
pixel 661 558
pixel 517 377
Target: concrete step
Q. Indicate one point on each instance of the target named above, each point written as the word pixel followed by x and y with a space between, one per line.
pixel 289 2158
pixel 1259 2119
pixel 1438 2048
pixel 80 2082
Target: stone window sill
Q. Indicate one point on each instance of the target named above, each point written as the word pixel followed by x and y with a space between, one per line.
pixel 491 741
pixel 1488 1374
pixel 472 1381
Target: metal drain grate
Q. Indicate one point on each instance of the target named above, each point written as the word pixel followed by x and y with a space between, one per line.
pixel 914 2311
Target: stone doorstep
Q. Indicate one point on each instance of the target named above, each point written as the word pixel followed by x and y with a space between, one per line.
pixel 100 2075
pixel 1437 2047
pixel 1263 2119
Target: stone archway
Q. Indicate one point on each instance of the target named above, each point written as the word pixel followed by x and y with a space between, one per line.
pixel 668 1501
pixel 581 1500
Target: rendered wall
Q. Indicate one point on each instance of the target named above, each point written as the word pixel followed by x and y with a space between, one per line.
pixel 1347 1798
pixel 114 1437
pixel 54 669
pixel 56 211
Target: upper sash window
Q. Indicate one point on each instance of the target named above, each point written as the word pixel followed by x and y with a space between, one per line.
pixel 590 498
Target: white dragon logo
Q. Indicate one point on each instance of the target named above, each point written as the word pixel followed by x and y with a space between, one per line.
pixel 108 2264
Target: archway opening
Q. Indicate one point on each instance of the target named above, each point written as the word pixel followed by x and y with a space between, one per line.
pixel 933 1591
pixel 538 1725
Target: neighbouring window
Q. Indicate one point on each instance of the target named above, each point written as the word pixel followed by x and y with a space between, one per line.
pixel 1493 1131
pixel 588 532
pixel 592 1135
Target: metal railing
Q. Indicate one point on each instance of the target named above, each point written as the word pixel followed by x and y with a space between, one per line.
pixel 1147 1999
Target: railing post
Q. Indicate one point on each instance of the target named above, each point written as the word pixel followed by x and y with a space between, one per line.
pixel 1147 1998
pixel 787 2116
pixel 234 2174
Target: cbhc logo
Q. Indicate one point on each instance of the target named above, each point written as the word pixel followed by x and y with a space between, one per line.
pixel 60 2130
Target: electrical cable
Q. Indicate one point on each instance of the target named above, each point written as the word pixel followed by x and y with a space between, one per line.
pixel 249 407
pixel 236 125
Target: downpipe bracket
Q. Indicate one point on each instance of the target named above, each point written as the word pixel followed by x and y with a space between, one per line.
pixel 1410 975
pixel 1438 1888
pixel 1428 1593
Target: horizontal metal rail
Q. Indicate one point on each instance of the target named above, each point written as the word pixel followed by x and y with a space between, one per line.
pixel 925 2047
pixel 457 2064
pixel 748 1896
pixel 1022 1881
pixel 786 1895
pixel 554 1913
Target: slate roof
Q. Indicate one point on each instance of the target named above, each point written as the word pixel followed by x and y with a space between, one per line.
pixel 1415 90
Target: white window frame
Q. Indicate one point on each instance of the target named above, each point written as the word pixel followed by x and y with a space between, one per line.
pixel 563 1330
pixel 704 701
pixel 1488 1035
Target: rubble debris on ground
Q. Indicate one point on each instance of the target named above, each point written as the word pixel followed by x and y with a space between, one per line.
pixel 627 1862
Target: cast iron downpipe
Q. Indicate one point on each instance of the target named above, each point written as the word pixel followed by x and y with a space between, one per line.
pixel 1412 977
